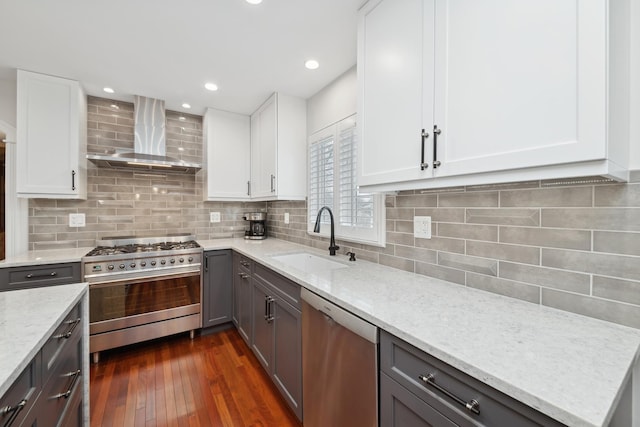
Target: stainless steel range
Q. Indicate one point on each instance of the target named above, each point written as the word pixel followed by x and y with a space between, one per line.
pixel 141 289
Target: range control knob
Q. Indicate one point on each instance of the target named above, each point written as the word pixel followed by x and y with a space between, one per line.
pixel 172 261
pixel 143 263
pixel 110 267
pixel 163 262
pixel 190 259
pixel 181 260
pixel 122 266
pixel 132 265
pixel 153 262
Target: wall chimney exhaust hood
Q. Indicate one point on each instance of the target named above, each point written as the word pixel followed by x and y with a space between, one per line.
pixel 149 144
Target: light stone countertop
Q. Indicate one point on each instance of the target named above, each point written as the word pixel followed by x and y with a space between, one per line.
pixel 27 318
pixel 51 256
pixel 570 367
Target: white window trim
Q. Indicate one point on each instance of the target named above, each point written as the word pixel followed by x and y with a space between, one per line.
pixel 373 237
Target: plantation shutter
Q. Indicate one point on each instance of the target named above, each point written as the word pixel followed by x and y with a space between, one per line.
pixel 321 172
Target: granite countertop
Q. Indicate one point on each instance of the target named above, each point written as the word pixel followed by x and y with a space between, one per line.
pixel 27 318
pixel 52 256
pixel 569 367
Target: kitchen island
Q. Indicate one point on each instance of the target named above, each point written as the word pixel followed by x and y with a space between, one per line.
pixel 572 368
pixel 28 319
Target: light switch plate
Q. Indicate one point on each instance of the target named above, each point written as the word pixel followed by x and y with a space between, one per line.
pixel 214 216
pixel 422 227
pixel 286 217
pixel 76 220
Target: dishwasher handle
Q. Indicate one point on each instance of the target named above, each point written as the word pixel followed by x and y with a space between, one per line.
pixel 341 316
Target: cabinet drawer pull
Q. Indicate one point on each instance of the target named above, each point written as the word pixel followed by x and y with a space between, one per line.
pixel 243 275
pixel 13 410
pixel 244 263
pixel 473 406
pixel 74 378
pixel 436 132
pixel 423 164
pixel 67 334
pixel 38 276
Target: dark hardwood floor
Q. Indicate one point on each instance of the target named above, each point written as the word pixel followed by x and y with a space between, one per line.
pixel 213 380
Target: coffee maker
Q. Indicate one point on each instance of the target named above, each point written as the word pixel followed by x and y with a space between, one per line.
pixel 257 225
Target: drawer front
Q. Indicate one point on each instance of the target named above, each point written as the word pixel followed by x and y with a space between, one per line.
pixel 410 367
pixel 67 332
pixel 289 290
pixel 41 275
pixel 241 263
pixel 19 399
pixel 401 408
pixel 65 382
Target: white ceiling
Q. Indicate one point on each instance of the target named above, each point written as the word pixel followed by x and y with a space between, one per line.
pixel 170 49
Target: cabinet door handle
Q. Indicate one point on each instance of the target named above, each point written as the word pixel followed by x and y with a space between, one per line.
pixel 67 334
pixel 266 308
pixel 206 263
pixel 248 188
pixel 273 183
pixel 269 316
pixel 472 406
pixel 436 132
pixel 424 136
pixel 74 378
pixel 40 276
pixel 14 411
pixel 73 180
pixel 243 275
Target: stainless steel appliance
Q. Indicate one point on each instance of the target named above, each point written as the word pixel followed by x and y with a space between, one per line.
pixel 141 289
pixel 257 225
pixel 339 366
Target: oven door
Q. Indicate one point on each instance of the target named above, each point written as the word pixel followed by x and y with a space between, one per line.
pixel 125 303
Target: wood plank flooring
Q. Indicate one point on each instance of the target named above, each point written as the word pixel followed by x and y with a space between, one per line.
pixel 213 380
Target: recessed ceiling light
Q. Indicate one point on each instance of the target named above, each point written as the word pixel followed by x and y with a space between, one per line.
pixel 108 90
pixel 185 105
pixel 312 64
pixel 211 86
pixel 254 1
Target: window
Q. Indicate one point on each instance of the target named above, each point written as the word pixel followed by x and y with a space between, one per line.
pixel 333 174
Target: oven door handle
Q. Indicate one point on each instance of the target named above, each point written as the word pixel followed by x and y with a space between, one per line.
pixel 110 280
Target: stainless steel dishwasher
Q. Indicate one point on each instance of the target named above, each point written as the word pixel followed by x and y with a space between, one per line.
pixel 339 366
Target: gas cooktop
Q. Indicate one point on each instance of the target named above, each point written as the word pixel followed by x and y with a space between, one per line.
pixel 132 245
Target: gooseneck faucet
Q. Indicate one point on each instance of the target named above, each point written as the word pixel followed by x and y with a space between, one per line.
pixel 316 229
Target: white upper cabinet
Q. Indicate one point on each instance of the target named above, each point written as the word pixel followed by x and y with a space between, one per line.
pixel 51 137
pixel 227 139
pixel 504 91
pixel 278 149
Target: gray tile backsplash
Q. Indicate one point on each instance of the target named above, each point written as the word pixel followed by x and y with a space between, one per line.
pixel 572 244
pixel 127 202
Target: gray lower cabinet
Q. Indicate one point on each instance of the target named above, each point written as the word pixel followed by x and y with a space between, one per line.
pixel 277 332
pixel 241 310
pixel 217 288
pixel 34 276
pixel 417 389
pixel 49 391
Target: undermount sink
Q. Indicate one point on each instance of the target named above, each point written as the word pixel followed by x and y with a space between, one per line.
pixel 308 262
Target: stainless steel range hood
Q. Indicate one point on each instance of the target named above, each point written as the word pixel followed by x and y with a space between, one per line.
pixel 149 144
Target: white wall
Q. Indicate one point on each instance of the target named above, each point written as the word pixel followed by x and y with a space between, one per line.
pixel 8 89
pixel 634 134
pixel 333 103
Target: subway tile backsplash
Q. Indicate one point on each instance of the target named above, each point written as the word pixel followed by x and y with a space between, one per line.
pixel 572 244
pixel 124 202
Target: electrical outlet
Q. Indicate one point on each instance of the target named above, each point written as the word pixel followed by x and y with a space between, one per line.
pixel 76 220
pixel 422 227
pixel 214 217
pixel 286 217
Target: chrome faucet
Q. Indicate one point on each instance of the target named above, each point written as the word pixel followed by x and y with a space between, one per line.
pixel 316 229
